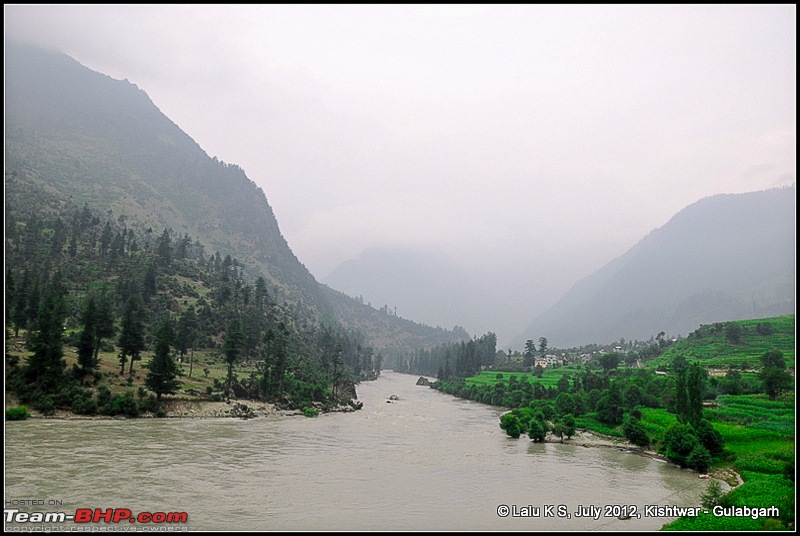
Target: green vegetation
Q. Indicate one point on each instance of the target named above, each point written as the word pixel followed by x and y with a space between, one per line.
pixel 87 299
pixel 452 360
pixel 711 346
pixel 19 413
pixel 688 416
pixel 116 196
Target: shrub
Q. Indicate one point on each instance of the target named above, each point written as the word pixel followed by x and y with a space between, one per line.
pixel 710 438
pixel 635 432
pixel 712 496
pixel 679 442
pixel 44 404
pixel 699 459
pixel 122 405
pixel 103 396
pixel 19 413
pixel 310 412
pixel 84 404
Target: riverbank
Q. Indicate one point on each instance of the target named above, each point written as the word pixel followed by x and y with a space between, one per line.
pixel 590 439
pixel 183 408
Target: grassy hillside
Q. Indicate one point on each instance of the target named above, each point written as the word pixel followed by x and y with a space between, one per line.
pixel 723 344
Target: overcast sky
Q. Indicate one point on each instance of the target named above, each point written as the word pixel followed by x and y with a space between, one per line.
pixel 531 143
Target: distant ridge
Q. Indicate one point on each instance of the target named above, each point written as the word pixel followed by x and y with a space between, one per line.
pixel 725 257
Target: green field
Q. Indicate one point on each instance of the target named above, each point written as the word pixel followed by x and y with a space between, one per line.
pixel 549 378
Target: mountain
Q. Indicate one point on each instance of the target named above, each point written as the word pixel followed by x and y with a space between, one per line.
pixel 78 135
pixel 725 257
pixel 425 282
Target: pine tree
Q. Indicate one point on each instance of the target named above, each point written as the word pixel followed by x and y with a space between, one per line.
pixel 232 347
pixel 131 339
pixel 164 249
pixel 88 337
pixel 104 324
pixel 46 366
pixel 162 371
pixel 186 336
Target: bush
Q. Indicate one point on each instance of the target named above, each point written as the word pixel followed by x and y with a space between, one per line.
pixel 710 438
pixel 150 404
pixel 103 396
pixel 19 413
pixel 679 443
pixel 635 432
pixel 122 405
pixel 84 404
pixel 44 404
pixel 699 459
pixel 310 412
pixel 712 496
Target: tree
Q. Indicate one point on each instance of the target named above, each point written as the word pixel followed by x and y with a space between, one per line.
pixel 699 459
pixel 232 347
pixel 610 407
pixel 679 442
pixel 337 362
pixel 632 396
pixel 568 421
pixel 565 403
pixel 609 361
pixel 563 384
pixel 162 371
pixel 733 332
pixel 689 385
pixel 104 323
pixel 261 293
pixel 86 342
pixel 131 338
pixel 20 314
pixel 530 351
pixel 536 431
pixel 558 430
pixel 186 336
pixel 634 432
pixel 164 249
pixel 511 424
pixel 710 438
pixel 774 375
pixel 542 345
pixel 45 368
pixel 695 383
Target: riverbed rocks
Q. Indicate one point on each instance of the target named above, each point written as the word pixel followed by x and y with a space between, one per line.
pixel 423 381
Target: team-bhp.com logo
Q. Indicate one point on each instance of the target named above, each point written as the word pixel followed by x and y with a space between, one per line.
pixel 96 515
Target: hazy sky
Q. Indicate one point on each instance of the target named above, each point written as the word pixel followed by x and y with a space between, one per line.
pixel 532 144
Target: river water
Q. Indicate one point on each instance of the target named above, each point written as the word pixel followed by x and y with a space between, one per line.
pixel 426 462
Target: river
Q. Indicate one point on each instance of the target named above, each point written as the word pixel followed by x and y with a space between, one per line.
pixel 426 462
